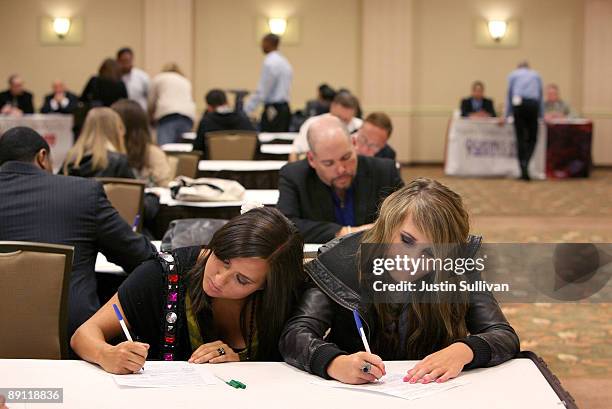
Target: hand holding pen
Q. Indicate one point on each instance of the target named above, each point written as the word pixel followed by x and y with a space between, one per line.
pixel 126 357
pixel 358 368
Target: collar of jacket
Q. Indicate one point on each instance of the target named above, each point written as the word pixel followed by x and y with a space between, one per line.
pixel 332 284
pixel 27 168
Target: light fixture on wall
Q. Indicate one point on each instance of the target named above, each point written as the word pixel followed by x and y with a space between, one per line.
pixel 286 27
pixel 61 26
pixel 277 26
pixel 497 29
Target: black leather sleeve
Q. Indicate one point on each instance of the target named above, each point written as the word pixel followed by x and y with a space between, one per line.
pixel 491 338
pixel 302 342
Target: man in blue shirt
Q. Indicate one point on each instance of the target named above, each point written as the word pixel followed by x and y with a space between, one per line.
pixel 273 88
pixel 525 103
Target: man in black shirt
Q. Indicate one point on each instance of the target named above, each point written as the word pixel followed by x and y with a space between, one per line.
pixel 477 105
pixel 59 101
pixel 16 100
pixel 219 116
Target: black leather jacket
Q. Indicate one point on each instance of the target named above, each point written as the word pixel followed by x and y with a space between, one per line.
pixel 329 302
pixel 117 167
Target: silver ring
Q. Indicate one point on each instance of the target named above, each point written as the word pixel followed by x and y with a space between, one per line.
pixel 221 351
pixel 366 367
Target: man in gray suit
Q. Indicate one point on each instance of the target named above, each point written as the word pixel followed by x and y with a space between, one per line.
pixel 41 207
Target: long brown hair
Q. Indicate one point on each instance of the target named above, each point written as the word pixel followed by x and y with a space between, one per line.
pixel 137 136
pixel 267 234
pixel 439 214
pixel 102 126
pixel 110 70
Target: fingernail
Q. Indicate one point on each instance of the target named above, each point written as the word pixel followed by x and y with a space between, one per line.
pixel 439 380
pixel 405 379
pixel 412 380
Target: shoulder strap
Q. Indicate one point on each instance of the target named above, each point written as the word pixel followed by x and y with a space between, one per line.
pixel 173 306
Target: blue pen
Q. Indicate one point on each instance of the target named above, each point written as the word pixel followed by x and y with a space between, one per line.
pixel 361 331
pixel 135 224
pixel 122 323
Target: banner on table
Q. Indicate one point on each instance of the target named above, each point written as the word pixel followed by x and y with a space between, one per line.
pixel 55 128
pixel 485 148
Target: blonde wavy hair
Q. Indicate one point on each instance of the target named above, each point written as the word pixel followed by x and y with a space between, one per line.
pixel 102 126
pixel 439 214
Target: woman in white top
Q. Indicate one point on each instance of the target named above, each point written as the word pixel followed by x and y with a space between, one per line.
pixel 171 104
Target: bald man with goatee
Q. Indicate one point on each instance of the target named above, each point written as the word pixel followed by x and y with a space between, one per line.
pixel 334 192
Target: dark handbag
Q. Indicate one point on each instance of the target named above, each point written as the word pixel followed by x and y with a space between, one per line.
pixel 190 232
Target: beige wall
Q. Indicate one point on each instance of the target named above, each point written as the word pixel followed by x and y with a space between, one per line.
pixel 445 60
pixel 109 25
pixel 412 58
pixel 227 52
pixel 597 76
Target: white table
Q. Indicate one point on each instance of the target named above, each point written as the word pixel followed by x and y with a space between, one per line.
pixel 276 149
pixel 514 384
pixel 481 147
pixel 240 165
pixel 267 197
pixel 266 137
pixel 105 266
pixel 55 128
pixel 177 147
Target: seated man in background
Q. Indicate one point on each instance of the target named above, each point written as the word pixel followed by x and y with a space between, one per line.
pixel 219 116
pixel 16 100
pixel 334 191
pixel 59 101
pixel 554 106
pixel 41 207
pixel 320 106
pixel 344 106
pixel 371 139
pixel 477 106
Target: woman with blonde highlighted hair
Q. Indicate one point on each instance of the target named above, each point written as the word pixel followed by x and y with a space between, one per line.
pixel 447 331
pixel 100 150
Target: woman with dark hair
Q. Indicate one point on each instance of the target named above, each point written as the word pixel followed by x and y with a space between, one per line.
pixel 106 87
pixel 226 302
pixel 448 332
pixel 146 159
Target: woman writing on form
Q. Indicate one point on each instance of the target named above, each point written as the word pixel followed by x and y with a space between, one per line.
pixel 226 302
pixel 446 334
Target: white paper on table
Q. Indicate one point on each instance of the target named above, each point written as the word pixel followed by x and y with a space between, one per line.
pixel 160 374
pixel 393 385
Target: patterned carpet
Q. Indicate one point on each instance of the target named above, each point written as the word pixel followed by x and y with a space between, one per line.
pixel 574 339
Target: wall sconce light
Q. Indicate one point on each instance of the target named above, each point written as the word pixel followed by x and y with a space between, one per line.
pixel 497 29
pixel 61 26
pixel 288 28
pixel 277 26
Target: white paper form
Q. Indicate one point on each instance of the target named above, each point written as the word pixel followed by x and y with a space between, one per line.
pixel 393 385
pixel 160 374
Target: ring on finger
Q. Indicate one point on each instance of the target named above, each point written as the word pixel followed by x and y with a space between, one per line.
pixel 366 367
pixel 221 351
